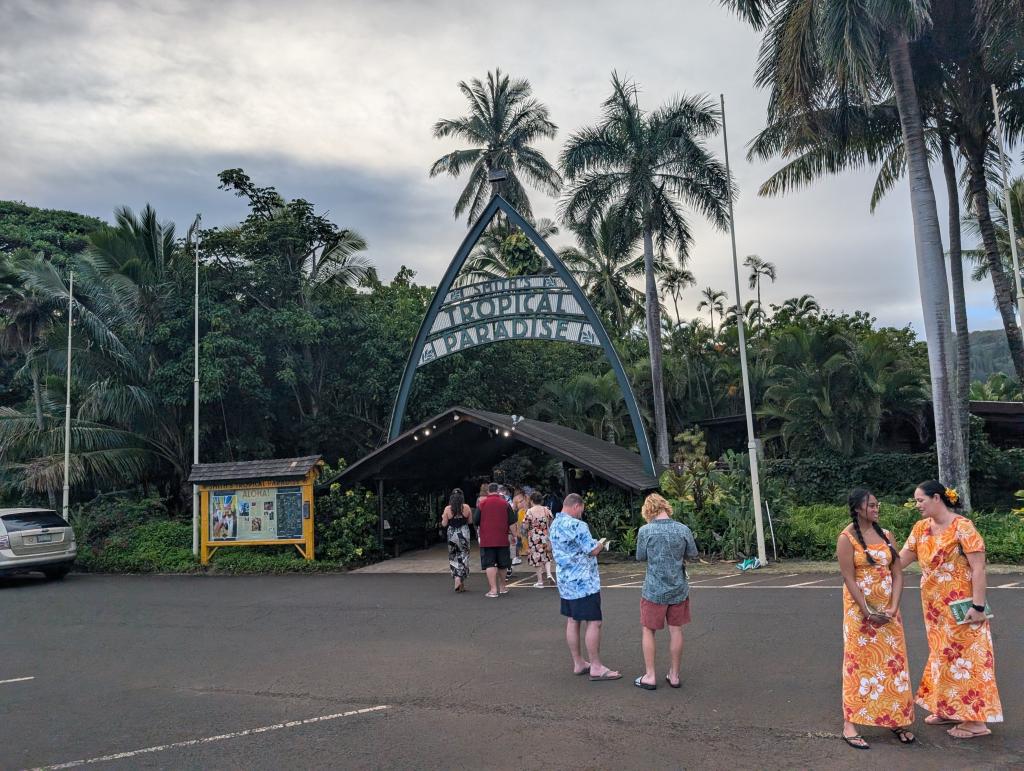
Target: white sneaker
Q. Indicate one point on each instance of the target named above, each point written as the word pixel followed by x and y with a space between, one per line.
pixel 517 561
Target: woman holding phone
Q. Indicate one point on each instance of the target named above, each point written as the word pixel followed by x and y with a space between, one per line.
pixel 958 686
pixel 876 683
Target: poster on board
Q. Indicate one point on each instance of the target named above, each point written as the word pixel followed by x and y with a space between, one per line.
pixel 256 514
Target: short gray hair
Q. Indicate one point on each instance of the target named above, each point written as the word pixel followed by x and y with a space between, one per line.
pixel 572 499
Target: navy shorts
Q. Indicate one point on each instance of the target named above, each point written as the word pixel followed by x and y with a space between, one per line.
pixel 495 556
pixel 584 609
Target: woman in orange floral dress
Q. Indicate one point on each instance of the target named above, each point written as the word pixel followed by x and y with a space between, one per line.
pixel 959 681
pixel 876 683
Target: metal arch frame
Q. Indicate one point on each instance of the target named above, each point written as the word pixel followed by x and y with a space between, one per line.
pixel 496 204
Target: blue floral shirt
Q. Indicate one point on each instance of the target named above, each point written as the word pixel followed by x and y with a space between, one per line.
pixel 571 544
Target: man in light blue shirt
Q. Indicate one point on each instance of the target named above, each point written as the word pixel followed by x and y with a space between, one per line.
pixel 579 584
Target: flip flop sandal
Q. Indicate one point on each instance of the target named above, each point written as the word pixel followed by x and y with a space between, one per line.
pixel 674 685
pixel 583 672
pixel 639 683
pixel 939 720
pixel 608 675
pixel 856 738
pixel 969 734
pixel 491 596
pixel 504 592
pixel 903 735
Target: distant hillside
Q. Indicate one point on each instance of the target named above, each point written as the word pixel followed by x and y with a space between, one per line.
pixel 989 354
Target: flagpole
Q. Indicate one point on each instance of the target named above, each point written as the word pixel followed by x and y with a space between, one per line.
pixel 1009 207
pixel 195 394
pixel 755 480
pixel 67 403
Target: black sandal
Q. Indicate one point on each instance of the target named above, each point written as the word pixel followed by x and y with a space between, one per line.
pixel 856 738
pixel 639 683
pixel 904 735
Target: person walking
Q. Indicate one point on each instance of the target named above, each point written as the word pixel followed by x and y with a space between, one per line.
pixel 665 599
pixel 959 681
pixel 876 683
pixel 535 528
pixel 579 586
pixel 496 522
pixel 456 518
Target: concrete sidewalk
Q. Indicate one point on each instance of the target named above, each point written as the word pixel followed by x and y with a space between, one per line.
pixel 434 561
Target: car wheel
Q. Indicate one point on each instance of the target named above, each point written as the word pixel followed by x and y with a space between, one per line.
pixel 57 573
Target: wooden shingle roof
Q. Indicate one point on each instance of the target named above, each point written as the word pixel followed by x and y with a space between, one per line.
pixel 414 447
pixel 254 470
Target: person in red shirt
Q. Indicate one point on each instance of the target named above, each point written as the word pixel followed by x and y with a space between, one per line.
pixel 496 522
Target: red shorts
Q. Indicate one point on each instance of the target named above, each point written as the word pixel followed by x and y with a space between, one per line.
pixel 655 616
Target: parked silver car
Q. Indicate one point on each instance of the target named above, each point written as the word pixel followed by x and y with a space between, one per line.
pixel 36 540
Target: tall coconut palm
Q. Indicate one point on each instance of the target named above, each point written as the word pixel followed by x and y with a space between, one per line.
pixel 759 270
pixel 503 123
pixel 713 302
pixel 649 165
pixel 675 282
pixel 813 48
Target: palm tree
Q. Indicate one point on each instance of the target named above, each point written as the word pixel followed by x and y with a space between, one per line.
pixel 998 388
pixel 648 165
pixel 503 123
pixel 802 307
pixel 759 269
pixel 714 301
pixel 675 282
pixel 504 251
pixel 604 263
pixel 753 316
pixel 813 49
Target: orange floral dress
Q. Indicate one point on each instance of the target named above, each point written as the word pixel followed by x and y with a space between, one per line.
pixel 876 683
pixel 959 680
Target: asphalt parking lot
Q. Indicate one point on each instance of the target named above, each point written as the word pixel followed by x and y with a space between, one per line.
pixel 395 671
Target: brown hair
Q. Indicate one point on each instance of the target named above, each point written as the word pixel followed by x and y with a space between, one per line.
pixel 654 505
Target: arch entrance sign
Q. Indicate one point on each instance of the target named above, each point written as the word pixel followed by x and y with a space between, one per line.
pixel 550 306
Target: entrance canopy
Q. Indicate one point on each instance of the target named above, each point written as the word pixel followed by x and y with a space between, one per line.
pixel 460 441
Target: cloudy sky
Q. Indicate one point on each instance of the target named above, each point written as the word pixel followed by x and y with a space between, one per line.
pixel 112 103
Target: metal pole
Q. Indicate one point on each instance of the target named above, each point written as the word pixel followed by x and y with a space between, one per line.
pixel 67 402
pixel 1009 207
pixel 195 396
pixel 755 480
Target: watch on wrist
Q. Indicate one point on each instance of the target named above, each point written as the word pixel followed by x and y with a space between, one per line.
pixel 979 608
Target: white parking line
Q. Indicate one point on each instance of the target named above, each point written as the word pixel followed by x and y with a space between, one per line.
pixel 1007 586
pixel 211 739
pixel 805 583
pixel 16 680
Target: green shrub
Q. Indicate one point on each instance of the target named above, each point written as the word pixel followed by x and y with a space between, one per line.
pixel 995 474
pixel 613 513
pixel 810 532
pixel 150 547
pixel 347 526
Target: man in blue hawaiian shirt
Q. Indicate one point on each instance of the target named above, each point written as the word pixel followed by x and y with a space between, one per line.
pixel 579 585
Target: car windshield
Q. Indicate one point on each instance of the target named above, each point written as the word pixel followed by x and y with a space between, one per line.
pixel 32 520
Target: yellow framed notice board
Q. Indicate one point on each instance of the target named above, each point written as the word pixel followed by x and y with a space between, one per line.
pixel 256 503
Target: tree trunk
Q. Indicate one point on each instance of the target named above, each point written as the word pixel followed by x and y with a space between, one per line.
pixel 931 267
pixel 963 343
pixel 1000 281
pixel 654 343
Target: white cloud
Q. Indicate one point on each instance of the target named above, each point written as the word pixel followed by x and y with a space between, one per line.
pixel 111 103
